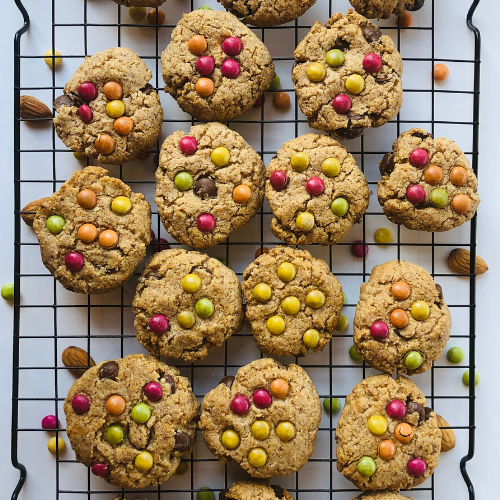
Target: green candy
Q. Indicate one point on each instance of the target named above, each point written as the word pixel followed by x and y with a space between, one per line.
pixel 367 466
pixel 413 360
pixel 183 181
pixel 141 413
pixel 439 198
pixel 8 291
pixel 205 494
pixel 344 299
pixel 55 224
pixel 466 375
pixel 181 469
pixel 342 323
pixel 275 84
pixel 114 434
pixel 331 405
pixel 204 308
pixel 137 13
pixel 354 354
pixel 340 207
pixel 206 7
pixel 334 57
pixel 455 355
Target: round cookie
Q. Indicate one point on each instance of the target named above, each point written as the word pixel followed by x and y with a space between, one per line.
pixel 386 439
pixel 93 232
pixel 265 419
pixel 347 76
pixel 131 420
pixel 250 490
pixel 315 191
pixel 427 184
pixel 381 495
pixel 208 183
pixel 267 12
pixel 215 67
pixel 140 3
pixel 382 9
pixel 185 304
pixel 402 321
pixel 291 278
pixel 108 110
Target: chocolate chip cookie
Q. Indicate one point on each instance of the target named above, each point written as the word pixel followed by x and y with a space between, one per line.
pixel 315 191
pixel 265 419
pixel 108 110
pixel 131 420
pixel 93 232
pixel 250 490
pixel 208 183
pixel 402 321
pixel 381 495
pixel 215 67
pixel 185 304
pixel 427 184
pixel 382 9
pixel 267 12
pixel 386 437
pixel 347 76
pixel 293 301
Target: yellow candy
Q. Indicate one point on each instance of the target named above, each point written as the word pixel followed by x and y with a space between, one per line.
pixel 115 109
pixel 220 157
pixel 57 61
pixel 121 205
pixel 311 338
pixel 304 221
pixel 290 305
pixel 299 161
pixel 355 84
pixel 257 457
pixel 377 424
pixel 285 431
pixel 420 310
pixel 230 439
pixel 316 72
pixel 143 462
pixel 262 292
pixel 286 271
pixel 52 445
pixel 191 283
pixel 275 325
pixel 260 430
pixel 315 299
pixel 331 167
pixel 186 319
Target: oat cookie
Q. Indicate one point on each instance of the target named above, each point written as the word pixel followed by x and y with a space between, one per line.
pixel 108 110
pixel 293 301
pixel 427 184
pixel 140 3
pixel 267 12
pixel 185 304
pixel 402 321
pixel 131 420
pixel 93 232
pixel 265 419
pixel 347 76
pixel 208 183
pixel 215 67
pixel 386 438
pixel 381 495
pixel 315 191
pixel 382 9
pixel 250 490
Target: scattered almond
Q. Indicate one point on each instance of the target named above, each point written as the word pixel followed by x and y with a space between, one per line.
pixel 29 211
pixel 447 435
pixel 459 262
pixel 76 357
pixel 31 108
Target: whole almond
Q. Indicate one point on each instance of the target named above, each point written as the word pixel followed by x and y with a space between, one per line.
pixel 459 262
pixel 32 108
pixel 76 357
pixel 29 211
pixel 447 435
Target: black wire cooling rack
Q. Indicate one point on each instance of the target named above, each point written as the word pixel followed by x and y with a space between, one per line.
pixel 330 364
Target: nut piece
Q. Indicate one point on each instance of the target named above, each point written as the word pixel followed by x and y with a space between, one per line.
pixel 447 435
pixel 29 211
pixel 459 262
pixel 76 357
pixel 31 107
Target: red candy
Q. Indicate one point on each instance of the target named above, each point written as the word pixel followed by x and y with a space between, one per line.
pixel 415 194
pixel 231 46
pixel 417 467
pixel 188 145
pixel 85 113
pixel 153 391
pixel 315 186
pixel 80 404
pixel 259 102
pixel 358 249
pixel 419 158
pixel 230 68
pixel 261 398
pixel 205 65
pixel 158 324
pixel 87 91
pixel 205 223
pixel 74 261
pixel 160 244
pixel 50 422
pixel 396 409
pixel 379 330
pixel 342 104
pixel 278 180
pixel 372 63
pixel 99 469
pixel 240 404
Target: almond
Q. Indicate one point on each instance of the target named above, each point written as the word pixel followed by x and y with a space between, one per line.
pixel 29 211
pixel 447 435
pixel 459 262
pixel 76 357
pixel 32 108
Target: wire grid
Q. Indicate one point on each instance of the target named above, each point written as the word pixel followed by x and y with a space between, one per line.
pixel 323 368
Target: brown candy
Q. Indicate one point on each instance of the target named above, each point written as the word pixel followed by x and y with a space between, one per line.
pixel 86 198
pixel 205 87
pixel 182 441
pixel 104 144
pixel 371 33
pixel 386 449
pixel 109 370
pixel 87 233
pixel 170 381
pixel 404 432
pixel 459 176
pixel 405 20
pixel 154 18
pixel 227 380
pixel 401 290
pixel 259 251
pixel 386 165
pixel 281 100
pixel 197 44
pixel 205 187
pixel 461 203
pixel 412 407
pixel 108 239
pixel 123 125
pixel 399 318
pixel 112 90
pixel 433 175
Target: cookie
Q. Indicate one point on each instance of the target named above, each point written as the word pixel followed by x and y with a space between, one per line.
pixel 347 76
pixel 208 183
pixel 186 303
pixel 108 110
pixel 382 9
pixel 250 490
pixel 140 3
pixel 135 498
pixel 386 438
pixel 315 191
pixel 293 301
pixel 131 420
pixel 381 495
pixel 267 12
pixel 93 232
pixel 215 67
pixel 402 321
pixel 427 184
pixel 265 419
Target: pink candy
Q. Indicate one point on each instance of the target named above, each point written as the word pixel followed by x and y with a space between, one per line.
pixel 415 194
pixel 315 186
pixel 205 65
pixel 379 330
pixel 158 324
pixel 85 113
pixel 417 467
pixel 372 63
pixel 396 409
pixel 87 91
pixel 205 223
pixel 358 249
pixel 153 391
pixel 342 104
pixel 50 422
pixel 240 404
pixel 230 68
pixel 80 404
pixel 278 180
pixel 231 46
pixel 419 158
pixel 261 398
pixel 188 145
pixel 99 469
pixel 74 261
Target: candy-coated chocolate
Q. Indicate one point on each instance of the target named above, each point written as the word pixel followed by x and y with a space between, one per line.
pixel 183 181
pixel 115 405
pixel 404 432
pixel 86 198
pixel 55 224
pixel 121 205
pixel 419 158
pixel 311 338
pixel 413 360
pixel 74 261
pixel 85 113
pixel 50 423
pixel 56 444
pixel 331 167
pixel 287 271
pixel 259 102
pixel 115 109
pixel 466 378
pixel 114 434
pixel 205 223
pixel 334 57
pixel 191 283
pixel 455 355
pixel 143 461
pixel 278 180
pixel 386 449
pixel 104 144
pixel 439 198
pixel 197 44
pixel 372 63
pixel 123 125
pixel 358 249
pixel 382 235
pixel 112 91
pixel 379 330
pixel 339 207
pixel 399 318
pixel 342 323
pixel 279 388
pixel 232 46
pixel 108 239
pixel 285 431
pixel 262 292
pixel 275 325
pixel 461 203
pixel 417 467
pixel 261 398
pixel 137 13
pixel 275 84
pixel 420 310
pixel 315 299
pixel 299 161
pixel 396 409
pixel 459 176
pixel 377 424
pixel 433 175
pixel 441 72
pixel 354 354
pixel 281 100
pixel 99 469
pixel 240 404
pixel 316 72
pixel 156 16
pixel 401 290
pixel 50 59
pixel 260 430
pixel 230 68
pixel 355 84
pixel 304 221
pixel 315 186
pixel 141 413
pixel 205 87
pixel 230 439
pixel 415 194
pixel 341 104
pixel 158 324
pixel 257 457
pixel 290 305
pixel 204 308
pixel 205 65
pixel 153 391
pixel 186 319
pixel 87 91
pixel 188 145
pixel 366 466
pixel 241 193
pixel 220 157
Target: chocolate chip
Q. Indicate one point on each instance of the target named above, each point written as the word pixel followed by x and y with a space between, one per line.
pixel 428 412
pixel 197 418
pixel 417 5
pixel 421 135
pixel 386 166
pixel 382 79
pixel 425 204
pixel 440 291
pixel 147 89
pixel 109 370
pixel 278 491
pixel 227 380
pixel 182 441
pixel 413 407
pixel 205 187
pixel 223 494
pixel 371 33
pixel 169 380
pixel 64 99
pixel 341 45
pixel 349 133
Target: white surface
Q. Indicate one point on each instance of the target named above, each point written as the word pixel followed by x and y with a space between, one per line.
pixel 452 41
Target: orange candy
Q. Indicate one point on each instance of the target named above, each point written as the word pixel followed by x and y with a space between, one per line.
pixel 405 20
pixel 123 125
pixel 441 72
pixel 104 144
pixel 259 252
pixel 404 432
pixel 401 290
pixel 115 405
pixel 156 19
pixel 242 193
pixel 205 87
pixel 281 100
pixel 87 233
pixel 461 203
pixel 399 318
pixel 86 198
pixel 459 176
pixel 433 175
pixel 279 388
pixel 197 45
pixel 113 91
pixel 108 239
pixel 386 449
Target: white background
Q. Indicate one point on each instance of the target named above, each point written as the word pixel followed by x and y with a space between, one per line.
pixel 450 40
